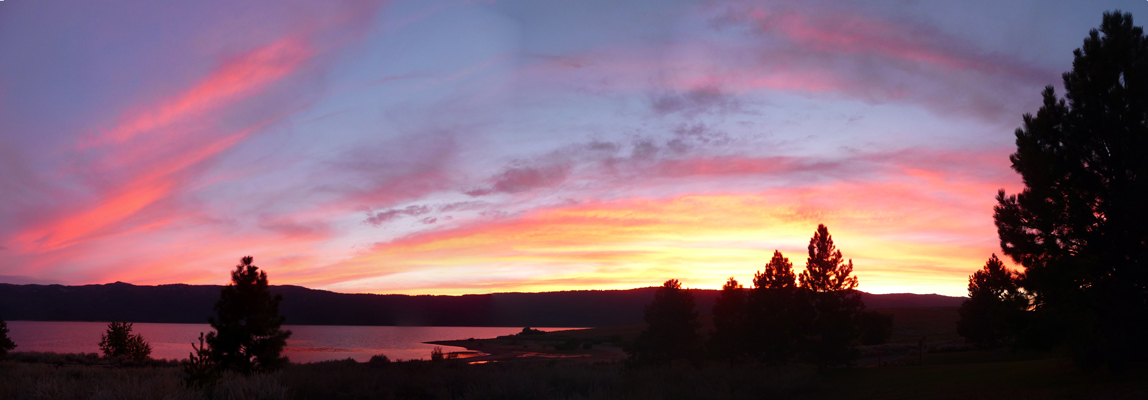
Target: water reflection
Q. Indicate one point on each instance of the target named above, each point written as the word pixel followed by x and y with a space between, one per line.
pixel 308 343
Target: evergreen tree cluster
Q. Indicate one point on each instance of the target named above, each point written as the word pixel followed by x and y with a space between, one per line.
pixel 777 321
pixel 1079 228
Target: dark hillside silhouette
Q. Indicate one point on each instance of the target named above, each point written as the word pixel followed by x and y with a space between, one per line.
pixel 302 306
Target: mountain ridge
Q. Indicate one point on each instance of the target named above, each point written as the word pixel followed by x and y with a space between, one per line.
pixel 185 303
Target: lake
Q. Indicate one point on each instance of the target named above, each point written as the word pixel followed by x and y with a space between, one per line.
pixel 308 343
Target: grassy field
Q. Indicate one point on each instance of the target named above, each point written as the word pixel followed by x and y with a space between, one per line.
pixel 957 375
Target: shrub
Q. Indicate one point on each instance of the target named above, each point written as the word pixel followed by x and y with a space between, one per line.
pixel 200 369
pixel 119 342
pixel 378 361
pixel 6 343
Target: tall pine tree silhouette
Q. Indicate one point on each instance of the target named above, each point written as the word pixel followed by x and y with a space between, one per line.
pixel 829 283
pixel 778 313
pixel 248 336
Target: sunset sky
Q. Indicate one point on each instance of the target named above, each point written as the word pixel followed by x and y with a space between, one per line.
pixel 442 147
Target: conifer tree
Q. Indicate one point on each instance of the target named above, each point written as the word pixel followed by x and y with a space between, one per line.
pixel 836 304
pixel 672 330
pixel 778 313
pixel 728 339
pixel 248 337
pixel 1080 225
pixel 990 316
pixel 119 342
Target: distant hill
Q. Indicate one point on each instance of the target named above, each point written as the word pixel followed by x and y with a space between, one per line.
pixel 302 306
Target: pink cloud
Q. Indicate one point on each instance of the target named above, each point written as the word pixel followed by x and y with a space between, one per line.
pixel 236 78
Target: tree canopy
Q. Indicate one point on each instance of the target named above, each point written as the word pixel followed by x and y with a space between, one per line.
pixel 778 273
pixel 824 270
pixel 1080 226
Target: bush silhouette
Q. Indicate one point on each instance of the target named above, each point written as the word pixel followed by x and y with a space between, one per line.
pixel 248 337
pixel 378 361
pixel 6 343
pixel 119 342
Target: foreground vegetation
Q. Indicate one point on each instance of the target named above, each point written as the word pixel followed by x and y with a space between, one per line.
pixel 969 374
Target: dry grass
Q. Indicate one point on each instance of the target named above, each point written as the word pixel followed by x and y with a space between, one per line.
pixel 955 375
pixel 30 380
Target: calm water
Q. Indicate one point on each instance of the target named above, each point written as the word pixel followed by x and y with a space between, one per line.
pixel 308 343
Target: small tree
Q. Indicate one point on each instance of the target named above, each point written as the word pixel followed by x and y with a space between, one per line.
pixel 778 313
pixel 119 342
pixel 672 330
pixel 248 336
pixel 6 343
pixel 200 369
pixel 835 302
pixel 728 339
pixel 995 305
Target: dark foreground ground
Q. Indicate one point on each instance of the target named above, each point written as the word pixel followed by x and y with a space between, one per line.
pixel 956 375
pixel 589 364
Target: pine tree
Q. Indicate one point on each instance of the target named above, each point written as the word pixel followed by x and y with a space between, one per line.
pixel 1080 226
pixel 248 337
pixel 672 328
pixel 728 339
pixel 119 342
pixel 778 313
pixel 995 306
pixel 836 304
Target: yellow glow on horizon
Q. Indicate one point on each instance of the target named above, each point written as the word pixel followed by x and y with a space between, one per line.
pixel 700 239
